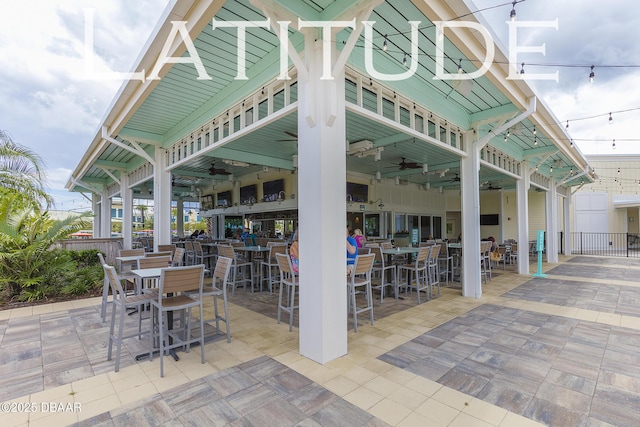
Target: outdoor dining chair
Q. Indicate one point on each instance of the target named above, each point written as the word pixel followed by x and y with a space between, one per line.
pixel 124 277
pixel 239 268
pixel 359 282
pixel 217 288
pixel 270 263
pixel 122 302
pixel 288 281
pixel 417 270
pixel 380 272
pixel 171 297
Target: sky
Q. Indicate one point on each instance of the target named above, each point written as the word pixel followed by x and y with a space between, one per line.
pixel 48 104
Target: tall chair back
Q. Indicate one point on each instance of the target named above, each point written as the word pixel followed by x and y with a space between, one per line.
pixel 178 257
pixel 154 262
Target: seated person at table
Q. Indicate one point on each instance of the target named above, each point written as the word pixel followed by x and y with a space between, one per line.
pixel 494 244
pixel 294 255
pixel 360 239
pixel 237 234
pixel 352 252
pixel 195 234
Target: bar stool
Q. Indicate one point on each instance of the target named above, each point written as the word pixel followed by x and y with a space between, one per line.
pixel 217 288
pixel 288 280
pixel 361 279
pixel 122 302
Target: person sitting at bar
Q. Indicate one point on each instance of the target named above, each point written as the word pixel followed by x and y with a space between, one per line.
pixel 294 254
pixel 360 239
pixel 352 252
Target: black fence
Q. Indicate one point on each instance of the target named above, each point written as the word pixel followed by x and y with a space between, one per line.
pixel 605 244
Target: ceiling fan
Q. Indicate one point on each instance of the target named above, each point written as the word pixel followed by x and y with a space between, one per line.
pixel 456 178
pixel 407 165
pixel 215 171
pixel 294 137
pixel 491 187
pixel 177 184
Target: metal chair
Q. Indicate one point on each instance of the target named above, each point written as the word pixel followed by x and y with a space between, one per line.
pixel 128 277
pixel 418 269
pixel 445 259
pixel 122 302
pixel 288 280
pixel 270 263
pixel 202 257
pixel 218 288
pixel 178 258
pixel 170 298
pixel 485 259
pixel 433 269
pixel 380 270
pixel 237 267
pixel 361 279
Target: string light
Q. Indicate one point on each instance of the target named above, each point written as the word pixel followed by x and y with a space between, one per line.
pixel 460 70
pixel 505 137
pixel 404 60
pixel 508 132
pixel 613 145
pixel 572 142
pixel 512 15
pixel 567 126
pixel 522 69
pixel 534 130
pixel 551 169
pixel 535 140
pixel 384 45
pixel 610 119
pixel 592 75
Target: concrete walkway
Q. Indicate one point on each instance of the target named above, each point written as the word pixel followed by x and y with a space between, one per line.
pixel 556 351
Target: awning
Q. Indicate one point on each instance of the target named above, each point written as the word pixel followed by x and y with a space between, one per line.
pixel 626 201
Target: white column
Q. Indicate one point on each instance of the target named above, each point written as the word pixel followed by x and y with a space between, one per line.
pixel 552 223
pixel 522 209
pixel 126 194
pixel 322 207
pixel 180 217
pixel 95 208
pixel 470 193
pixel 567 225
pixel 105 214
pixel 161 200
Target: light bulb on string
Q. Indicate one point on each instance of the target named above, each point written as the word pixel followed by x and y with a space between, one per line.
pixel 613 145
pixel 610 119
pixel 592 75
pixel 534 130
pixel 404 60
pixel 384 45
pixel 508 132
pixel 505 137
pixel 460 70
pixel 551 169
pixel 571 142
pixel 522 69
pixel 535 140
pixel 512 15
pixel 567 126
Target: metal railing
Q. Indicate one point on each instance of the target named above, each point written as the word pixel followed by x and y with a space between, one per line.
pixel 605 244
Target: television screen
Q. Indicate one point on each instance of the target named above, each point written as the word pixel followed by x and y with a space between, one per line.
pixel 489 219
pixel 357 192
pixel 271 190
pixel 224 198
pixel 248 194
pixel 207 202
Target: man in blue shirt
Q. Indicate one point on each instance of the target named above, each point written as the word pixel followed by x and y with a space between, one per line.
pixel 352 252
